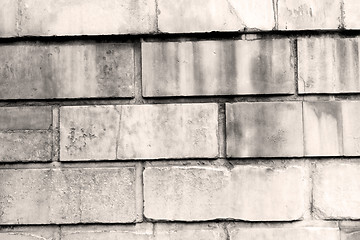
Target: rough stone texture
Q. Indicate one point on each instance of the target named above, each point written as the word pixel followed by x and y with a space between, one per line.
pixel 309 14
pixel 66 70
pixel 88 132
pixel 45 196
pixel 189 232
pixel 336 187
pixel 25 146
pixel 8 14
pixel 351 14
pixel 217 68
pixel 253 193
pixel 87 17
pixel 25 118
pixel 264 129
pixel 350 230
pixel 328 65
pixel 214 15
pixel 323 129
pixel 168 131
pixel 128 232
pixel 351 119
pixel 29 233
pixel 284 233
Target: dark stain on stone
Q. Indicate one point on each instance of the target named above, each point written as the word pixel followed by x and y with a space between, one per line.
pixel 333 110
pixel 261 66
pixel 227 73
pixel 198 74
pixel 342 59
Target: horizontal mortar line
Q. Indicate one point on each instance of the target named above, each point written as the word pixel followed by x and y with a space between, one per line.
pixel 173 36
pixel 295 223
pixel 179 100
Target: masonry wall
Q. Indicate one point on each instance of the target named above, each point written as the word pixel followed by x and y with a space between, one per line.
pixel 191 119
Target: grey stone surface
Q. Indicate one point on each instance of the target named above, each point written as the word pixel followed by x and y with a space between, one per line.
pixel 336 189
pixel 66 70
pixel 323 128
pixel 231 67
pixel 309 14
pixel 264 129
pixel 88 132
pixel 25 118
pixel 168 131
pixel 25 146
pixel 328 65
pixel 249 192
pixel 215 15
pixel 86 17
pixel 351 14
pixel 284 233
pixel 29 233
pixel 8 16
pixel 45 196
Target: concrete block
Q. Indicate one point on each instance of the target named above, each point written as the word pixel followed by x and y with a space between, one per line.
pixel 351 14
pixel 8 16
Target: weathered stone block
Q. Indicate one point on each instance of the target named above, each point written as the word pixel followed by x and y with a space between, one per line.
pixel 261 129
pixel 25 146
pixel 168 131
pixel 67 195
pixel 88 132
pixel 25 118
pixel 323 129
pixel 86 17
pixel 214 15
pixel 128 232
pixel 350 230
pixel 328 65
pixel 336 189
pixel 189 232
pixel 309 14
pixel 351 128
pixel 68 70
pixel 284 233
pixel 253 193
pixel 231 67
pixel 8 16
pixel 351 14
pixel 29 233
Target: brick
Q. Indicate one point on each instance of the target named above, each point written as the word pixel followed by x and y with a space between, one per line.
pixel 25 146
pixel 351 14
pixel 231 67
pixel 25 118
pixel 309 14
pixel 189 232
pixel 55 196
pixel 29 233
pixel 215 15
pixel 323 129
pixel 95 232
pixel 86 17
pixel 328 65
pixel 351 128
pixel 8 15
pixel 263 129
pixel 66 70
pixel 252 193
pixel 284 233
pixel 335 190
pixel 168 131
pixel 88 132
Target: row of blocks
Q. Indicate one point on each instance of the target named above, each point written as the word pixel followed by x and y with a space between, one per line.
pixel 324 64
pixel 180 131
pixel 126 193
pixel 84 17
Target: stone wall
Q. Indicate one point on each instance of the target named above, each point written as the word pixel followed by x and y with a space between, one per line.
pixel 188 119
